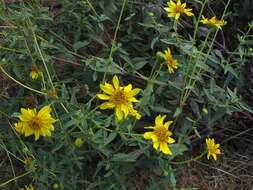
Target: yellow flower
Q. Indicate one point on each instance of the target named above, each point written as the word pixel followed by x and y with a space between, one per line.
pixel 33 123
pixel 78 142
pixel 120 98
pixel 161 136
pixel 35 73
pixel 214 22
pixel 213 149
pixel 29 187
pixel 176 9
pixel 172 64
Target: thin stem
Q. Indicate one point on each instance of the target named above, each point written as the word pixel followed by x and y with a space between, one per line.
pixel 91 7
pixel 209 51
pixel 15 178
pixel 190 160
pixel 41 55
pixel 21 84
pixel 114 39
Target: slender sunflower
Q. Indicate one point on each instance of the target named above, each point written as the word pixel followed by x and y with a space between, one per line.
pixel 212 148
pixel 172 64
pixel 119 98
pixel 161 136
pixel 213 22
pixel 33 123
pixel 35 72
pixel 176 9
pixel 78 142
pixel 29 187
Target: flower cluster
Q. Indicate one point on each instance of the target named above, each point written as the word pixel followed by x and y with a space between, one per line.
pixel 176 9
pixel 121 99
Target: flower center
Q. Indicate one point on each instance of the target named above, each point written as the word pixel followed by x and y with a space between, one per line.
pixel 169 59
pixel 179 9
pixel 162 134
pixel 35 123
pixel 212 149
pixel 119 97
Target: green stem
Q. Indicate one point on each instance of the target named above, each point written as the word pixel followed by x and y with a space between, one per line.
pixel 21 84
pixel 114 39
pixel 190 160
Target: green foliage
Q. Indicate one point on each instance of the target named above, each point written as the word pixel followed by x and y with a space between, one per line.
pixel 77 44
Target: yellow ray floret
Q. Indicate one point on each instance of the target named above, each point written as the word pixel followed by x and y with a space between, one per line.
pixel 161 136
pixel 33 123
pixel 29 187
pixel 172 64
pixel 212 148
pixel 213 22
pixel 35 73
pixel 176 9
pixel 119 98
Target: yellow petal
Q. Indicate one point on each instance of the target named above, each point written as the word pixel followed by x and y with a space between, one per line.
pixel 19 127
pixel 27 114
pixel 170 140
pixel 156 145
pixel 128 88
pixel 134 91
pixel 171 3
pixel 107 88
pixel 167 124
pixel 165 149
pixel 119 114
pixel 103 97
pixel 167 9
pixel 37 135
pixel 208 156
pixel 44 111
pixel 115 82
pixel 133 100
pixel 214 157
pixel 106 105
pixel 125 109
pixel 177 16
pixel 148 135
pixel 159 120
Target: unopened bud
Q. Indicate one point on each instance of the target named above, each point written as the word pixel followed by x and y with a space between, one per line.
pixel 160 55
pixel 205 111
